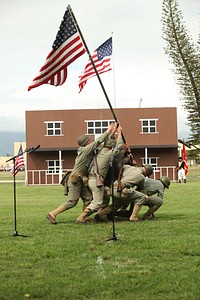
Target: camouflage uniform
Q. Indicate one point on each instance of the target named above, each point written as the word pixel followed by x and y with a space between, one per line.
pixel 131 177
pixel 153 187
pixel 76 186
pixel 103 160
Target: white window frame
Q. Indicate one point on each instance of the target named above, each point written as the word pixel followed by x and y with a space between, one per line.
pixel 149 126
pixel 55 168
pixel 150 162
pixel 97 127
pixel 54 128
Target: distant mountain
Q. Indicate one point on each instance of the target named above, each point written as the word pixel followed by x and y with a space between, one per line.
pixel 7 140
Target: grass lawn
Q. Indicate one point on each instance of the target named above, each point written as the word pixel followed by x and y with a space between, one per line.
pixel 149 260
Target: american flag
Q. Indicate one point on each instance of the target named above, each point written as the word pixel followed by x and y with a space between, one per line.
pixel 67 47
pixel 101 58
pixel 19 161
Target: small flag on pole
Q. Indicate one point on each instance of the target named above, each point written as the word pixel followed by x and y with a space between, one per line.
pixel 67 47
pixel 184 156
pixel 19 161
pixel 101 58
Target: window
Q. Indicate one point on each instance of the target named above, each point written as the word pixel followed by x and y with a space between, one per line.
pixel 149 125
pixel 153 161
pixel 53 166
pixel 54 128
pixel 98 126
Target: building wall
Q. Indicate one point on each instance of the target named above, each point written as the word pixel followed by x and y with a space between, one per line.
pixel 162 144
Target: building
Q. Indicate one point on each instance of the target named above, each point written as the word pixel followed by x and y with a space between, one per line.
pixel 151 134
pixel 6 162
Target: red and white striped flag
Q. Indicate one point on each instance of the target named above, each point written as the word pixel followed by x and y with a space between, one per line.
pixel 19 161
pixel 67 47
pixel 101 58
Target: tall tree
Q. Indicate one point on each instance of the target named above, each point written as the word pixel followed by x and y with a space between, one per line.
pixel 185 57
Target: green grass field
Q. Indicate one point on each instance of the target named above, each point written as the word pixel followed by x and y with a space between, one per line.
pixel 149 260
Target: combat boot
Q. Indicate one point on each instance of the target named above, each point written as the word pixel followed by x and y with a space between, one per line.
pixel 134 215
pixel 83 216
pixel 52 215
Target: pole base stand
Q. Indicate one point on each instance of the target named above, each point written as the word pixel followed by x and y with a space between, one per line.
pixel 17 234
pixel 113 238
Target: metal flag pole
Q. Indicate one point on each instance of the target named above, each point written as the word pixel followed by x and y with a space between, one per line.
pixel 113 67
pixel 29 151
pixel 93 64
pixel 16 233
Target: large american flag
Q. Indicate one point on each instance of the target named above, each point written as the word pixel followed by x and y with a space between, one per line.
pixel 101 58
pixel 67 47
pixel 19 161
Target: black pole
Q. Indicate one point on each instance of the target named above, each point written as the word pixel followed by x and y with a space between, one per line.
pixel 29 151
pixel 15 197
pixel 93 64
pixel 114 237
pixel 15 206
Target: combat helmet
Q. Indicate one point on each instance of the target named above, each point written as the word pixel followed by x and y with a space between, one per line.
pixel 165 180
pixel 149 169
pixel 82 140
pixel 109 143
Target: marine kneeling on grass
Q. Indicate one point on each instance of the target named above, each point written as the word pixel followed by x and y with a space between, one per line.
pixel 154 190
pixel 131 177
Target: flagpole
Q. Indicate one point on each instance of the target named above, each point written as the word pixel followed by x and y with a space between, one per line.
pixel 114 93
pixel 93 64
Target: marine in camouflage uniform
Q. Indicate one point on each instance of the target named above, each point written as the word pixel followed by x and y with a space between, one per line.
pixel 103 158
pixel 131 177
pixel 76 185
pixel 154 189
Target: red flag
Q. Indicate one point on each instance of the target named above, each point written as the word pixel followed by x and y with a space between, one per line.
pixel 101 58
pixel 67 47
pixel 19 161
pixel 184 156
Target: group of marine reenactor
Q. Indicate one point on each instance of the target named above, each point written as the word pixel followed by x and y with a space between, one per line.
pixel 104 169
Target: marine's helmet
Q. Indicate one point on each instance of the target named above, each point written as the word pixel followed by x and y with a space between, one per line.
pixel 165 180
pixel 82 140
pixel 149 169
pixel 109 143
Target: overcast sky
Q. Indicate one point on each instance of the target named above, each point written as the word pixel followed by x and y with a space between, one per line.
pixel 140 67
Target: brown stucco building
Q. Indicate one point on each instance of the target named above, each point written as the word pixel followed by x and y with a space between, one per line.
pixel 151 133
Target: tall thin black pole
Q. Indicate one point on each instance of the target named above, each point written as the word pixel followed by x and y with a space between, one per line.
pixel 114 237
pixel 15 207
pixel 93 64
pixel 15 197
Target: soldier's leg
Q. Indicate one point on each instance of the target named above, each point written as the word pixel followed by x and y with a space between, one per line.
pixel 154 203
pixel 138 199
pixel 126 209
pixel 103 213
pixel 179 176
pixel 73 197
pixel 97 200
pixel 86 196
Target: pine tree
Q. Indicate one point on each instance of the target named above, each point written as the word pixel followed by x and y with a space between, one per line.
pixel 185 58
